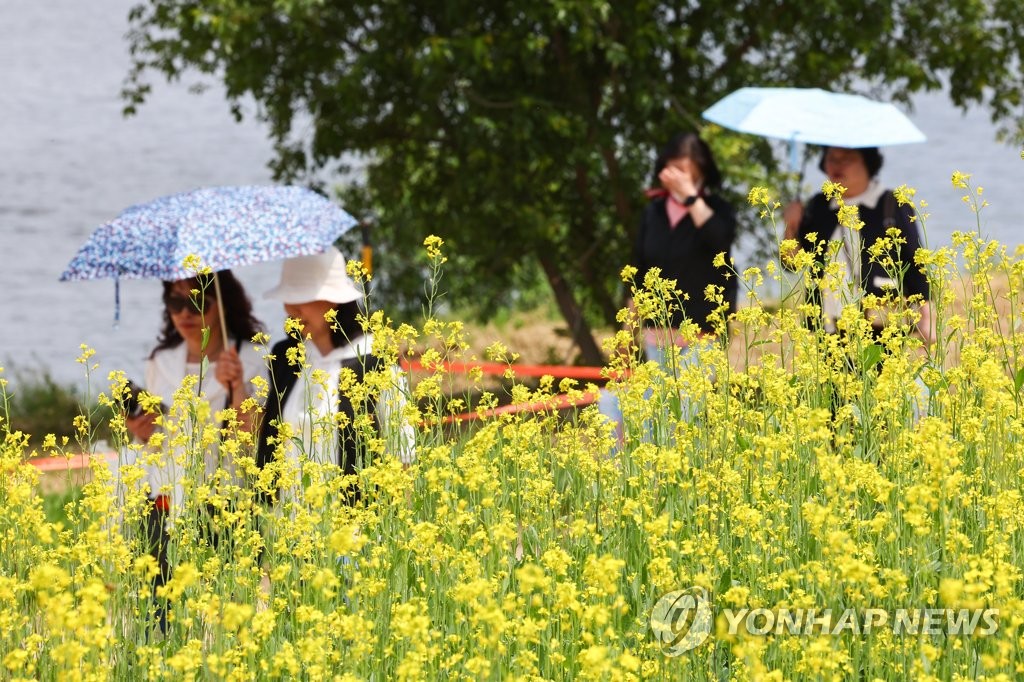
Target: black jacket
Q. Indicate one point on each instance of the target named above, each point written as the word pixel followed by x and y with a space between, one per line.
pixel 686 253
pixel 282 378
pixel 821 219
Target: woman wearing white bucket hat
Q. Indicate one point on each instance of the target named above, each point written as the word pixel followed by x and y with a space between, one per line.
pixel 311 287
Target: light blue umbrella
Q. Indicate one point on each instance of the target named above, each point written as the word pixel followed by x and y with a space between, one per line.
pixel 814 116
pixel 226 227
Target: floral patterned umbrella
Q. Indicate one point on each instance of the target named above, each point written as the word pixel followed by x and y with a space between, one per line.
pixel 226 227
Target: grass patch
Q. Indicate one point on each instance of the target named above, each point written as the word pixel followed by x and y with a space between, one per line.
pixel 55 504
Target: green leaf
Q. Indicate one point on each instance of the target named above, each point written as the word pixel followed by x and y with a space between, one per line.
pixel 724 583
pixel 872 355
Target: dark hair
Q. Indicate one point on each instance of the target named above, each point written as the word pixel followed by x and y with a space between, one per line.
pixel 690 146
pixel 237 311
pixel 872 159
pixel 348 328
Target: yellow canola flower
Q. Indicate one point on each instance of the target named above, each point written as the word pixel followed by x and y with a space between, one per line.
pixel 433 245
pixel 185 576
pixel 534 546
pixel 347 540
pixel 235 616
pixel 960 180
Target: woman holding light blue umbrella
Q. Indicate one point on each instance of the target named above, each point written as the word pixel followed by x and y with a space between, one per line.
pixel 850 128
pixel 857 171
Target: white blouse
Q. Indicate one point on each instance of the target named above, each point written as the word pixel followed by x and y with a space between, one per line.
pixel 165 372
pixel 310 406
pixel 838 294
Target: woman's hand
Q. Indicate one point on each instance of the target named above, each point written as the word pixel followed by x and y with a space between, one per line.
pixel 678 182
pixel 682 185
pixel 926 325
pixel 792 215
pixel 141 426
pixel 229 371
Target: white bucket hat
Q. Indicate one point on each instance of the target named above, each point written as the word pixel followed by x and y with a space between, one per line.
pixel 315 278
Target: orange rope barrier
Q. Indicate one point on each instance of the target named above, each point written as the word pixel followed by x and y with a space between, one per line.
pixel 497 368
pixel 556 402
pixel 75 462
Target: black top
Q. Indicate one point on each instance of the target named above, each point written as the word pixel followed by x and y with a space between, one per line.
pixel 685 254
pixel 821 219
pixel 283 377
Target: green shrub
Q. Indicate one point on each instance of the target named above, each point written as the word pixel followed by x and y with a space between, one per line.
pixel 38 404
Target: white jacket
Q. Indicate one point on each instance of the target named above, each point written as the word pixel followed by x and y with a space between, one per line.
pixel 165 372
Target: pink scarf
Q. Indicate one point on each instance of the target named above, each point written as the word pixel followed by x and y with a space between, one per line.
pixel 676 211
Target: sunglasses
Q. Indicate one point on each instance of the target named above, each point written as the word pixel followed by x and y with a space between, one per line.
pixel 176 304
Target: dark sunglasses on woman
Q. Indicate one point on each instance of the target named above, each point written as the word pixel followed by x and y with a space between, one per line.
pixel 176 304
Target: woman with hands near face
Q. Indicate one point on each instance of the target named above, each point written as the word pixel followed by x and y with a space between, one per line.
pixel 682 230
pixel 684 227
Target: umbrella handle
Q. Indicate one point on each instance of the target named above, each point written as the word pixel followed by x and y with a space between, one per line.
pixel 220 310
pixel 793 158
pixel 367 248
pixel 800 178
pixel 117 302
pixel 794 161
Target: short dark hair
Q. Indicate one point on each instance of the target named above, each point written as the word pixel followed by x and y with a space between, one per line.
pixel 348 327
pixel 872 159
pixel 238 317
pixel 689 146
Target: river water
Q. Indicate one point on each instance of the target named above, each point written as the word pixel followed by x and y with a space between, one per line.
pixel 72 162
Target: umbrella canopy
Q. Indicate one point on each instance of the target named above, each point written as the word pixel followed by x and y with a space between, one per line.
pixel 814 116
pixel 226 227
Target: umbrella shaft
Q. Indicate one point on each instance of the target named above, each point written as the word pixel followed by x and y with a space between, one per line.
pixel 220 310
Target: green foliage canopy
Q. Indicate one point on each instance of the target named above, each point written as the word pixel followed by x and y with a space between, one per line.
pixel 522 132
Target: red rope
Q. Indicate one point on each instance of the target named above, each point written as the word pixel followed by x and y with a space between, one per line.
pixel 555 402
pixel 498 368
pixel 65 463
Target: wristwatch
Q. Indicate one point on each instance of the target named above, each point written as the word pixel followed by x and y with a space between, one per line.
pixel 691 200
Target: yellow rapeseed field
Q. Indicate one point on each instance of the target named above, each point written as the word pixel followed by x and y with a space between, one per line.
pixel 816 471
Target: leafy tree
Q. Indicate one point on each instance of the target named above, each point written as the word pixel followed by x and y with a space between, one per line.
pixel 522 132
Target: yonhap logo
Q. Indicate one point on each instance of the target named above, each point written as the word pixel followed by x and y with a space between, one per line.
pixel 681 620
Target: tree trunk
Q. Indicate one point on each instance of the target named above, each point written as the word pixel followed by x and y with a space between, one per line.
pixel 581 332
pixel 596 288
